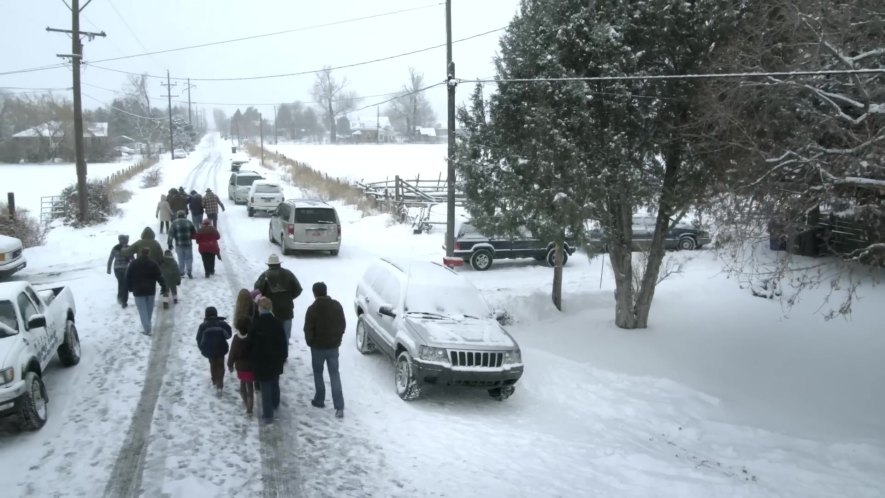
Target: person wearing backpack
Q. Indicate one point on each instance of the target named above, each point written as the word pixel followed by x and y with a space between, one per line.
pixel 212 337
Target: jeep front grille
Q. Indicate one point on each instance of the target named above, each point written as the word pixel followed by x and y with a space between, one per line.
pixel 476 359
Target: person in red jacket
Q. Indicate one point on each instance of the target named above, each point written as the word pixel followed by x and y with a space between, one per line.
pixel 207 238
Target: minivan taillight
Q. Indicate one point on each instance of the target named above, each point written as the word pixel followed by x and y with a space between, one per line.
pixel 291 229
pixel 339 232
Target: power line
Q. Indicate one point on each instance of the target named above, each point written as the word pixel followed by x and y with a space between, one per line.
pixel 772 74
pixel 264 35
pixel 34 69
pixel 302 73
pixel 131 31
pixel 124 111
pixel 399 96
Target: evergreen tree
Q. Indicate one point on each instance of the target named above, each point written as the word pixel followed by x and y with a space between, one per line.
pixel 552 153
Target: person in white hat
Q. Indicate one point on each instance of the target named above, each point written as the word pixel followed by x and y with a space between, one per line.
pixel 282 288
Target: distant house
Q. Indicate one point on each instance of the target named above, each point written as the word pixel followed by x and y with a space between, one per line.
pixel 371 129
pixel 426 135
pixel 49 140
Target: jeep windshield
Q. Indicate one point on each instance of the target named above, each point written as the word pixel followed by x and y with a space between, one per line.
pixel 8 321
pixel 431 300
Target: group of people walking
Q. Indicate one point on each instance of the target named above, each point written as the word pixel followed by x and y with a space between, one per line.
pixel 260 348
pixel 198 206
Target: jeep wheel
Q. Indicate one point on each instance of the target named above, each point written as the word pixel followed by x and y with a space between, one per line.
pixel 407 386
pixel 69 351
pixel 551 257
pixel 250 212
pixel 501 393
pixel 34 403
pixel 363 343
pixel 481 260
pixel 687 244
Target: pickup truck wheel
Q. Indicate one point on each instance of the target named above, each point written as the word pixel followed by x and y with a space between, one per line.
pixel 363 344
pixel 481 260
pixel 551 257
pixel 687 243
pixel 501 393
pixel 34 404
pixel 407 386
pixel 69 351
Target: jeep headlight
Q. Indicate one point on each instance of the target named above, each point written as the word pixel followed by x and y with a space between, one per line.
pixel 512 357
pixel 428 353
pixel 7 375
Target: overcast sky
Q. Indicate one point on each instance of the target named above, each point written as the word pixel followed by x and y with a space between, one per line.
pixel 138 26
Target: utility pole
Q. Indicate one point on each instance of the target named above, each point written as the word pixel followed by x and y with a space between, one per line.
pixel 275 141
pixel 261 133
pixel 168 95
pixel 450 83
pixel 378 124
pixel 76 57
pixel 189 86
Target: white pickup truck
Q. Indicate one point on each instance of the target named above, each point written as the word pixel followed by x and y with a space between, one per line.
pixel 12 258
pixel 34 326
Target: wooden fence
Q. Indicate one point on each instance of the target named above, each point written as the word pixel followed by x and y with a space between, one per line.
pixel 420 195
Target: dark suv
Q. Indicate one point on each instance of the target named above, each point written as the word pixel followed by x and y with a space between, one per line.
pixel 480 250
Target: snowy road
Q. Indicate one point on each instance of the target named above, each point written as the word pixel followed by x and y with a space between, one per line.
pixel 138 416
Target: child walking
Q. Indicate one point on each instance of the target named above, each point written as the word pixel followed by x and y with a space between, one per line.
pixel 241 349
pixel 169 269
pixel 212 339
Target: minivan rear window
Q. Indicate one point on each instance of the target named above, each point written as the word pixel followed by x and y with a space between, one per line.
pixel 247 180
pixel 267 189
pixel 315 215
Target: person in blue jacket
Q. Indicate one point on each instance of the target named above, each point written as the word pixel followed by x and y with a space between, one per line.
pixel 212 337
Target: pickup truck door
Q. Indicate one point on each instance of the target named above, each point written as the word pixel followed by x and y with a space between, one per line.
pixel 37 338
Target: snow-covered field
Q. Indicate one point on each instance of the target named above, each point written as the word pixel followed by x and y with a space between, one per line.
pixel 29 182
pixel 371 163
pixel 721 396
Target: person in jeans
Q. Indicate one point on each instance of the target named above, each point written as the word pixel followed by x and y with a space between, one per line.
pixel 211 203
pixel 182 232
pixel 120 264
pixel 207 238
pixel 212 336
pixel 270 350
pixel 142 278
pixel 324 326
pixel 195 204
pixel 281 286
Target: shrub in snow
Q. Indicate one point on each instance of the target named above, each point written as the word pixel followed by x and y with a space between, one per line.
pixel 23 227
pixel 99 204
pixel 152 178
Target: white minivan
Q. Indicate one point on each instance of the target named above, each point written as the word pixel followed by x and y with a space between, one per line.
pixel 264 195
pixel 238 186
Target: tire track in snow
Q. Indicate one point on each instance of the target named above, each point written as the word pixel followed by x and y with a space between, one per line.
pixel 126 477
pixel 280 475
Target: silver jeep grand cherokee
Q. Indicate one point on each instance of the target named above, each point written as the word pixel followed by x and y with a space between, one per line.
pixel 436 327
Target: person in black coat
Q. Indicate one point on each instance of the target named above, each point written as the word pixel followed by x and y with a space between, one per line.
pixel 212 337
pixel 270 350
pixel 142 278
pixel 324 326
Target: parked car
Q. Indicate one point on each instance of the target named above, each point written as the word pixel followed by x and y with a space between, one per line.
pixel 264 195
pixel 12 258
pixel 436 327
pixel 34 327
pixel 680 237
pixel 179 154
pixel 238 186
pixel 305 225
pixel 481 250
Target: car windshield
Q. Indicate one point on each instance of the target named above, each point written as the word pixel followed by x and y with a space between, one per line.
pixel 247 180
pixel 442 300
pixel 8 322
pixel 267 189
pixel 315 215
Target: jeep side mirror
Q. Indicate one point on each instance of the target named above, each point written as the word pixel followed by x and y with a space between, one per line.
pixel 500 315
pixel 36 321
pixel 386 311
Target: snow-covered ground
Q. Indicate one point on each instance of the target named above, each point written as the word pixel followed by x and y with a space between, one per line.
pixel 29 182
pixel 721 396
